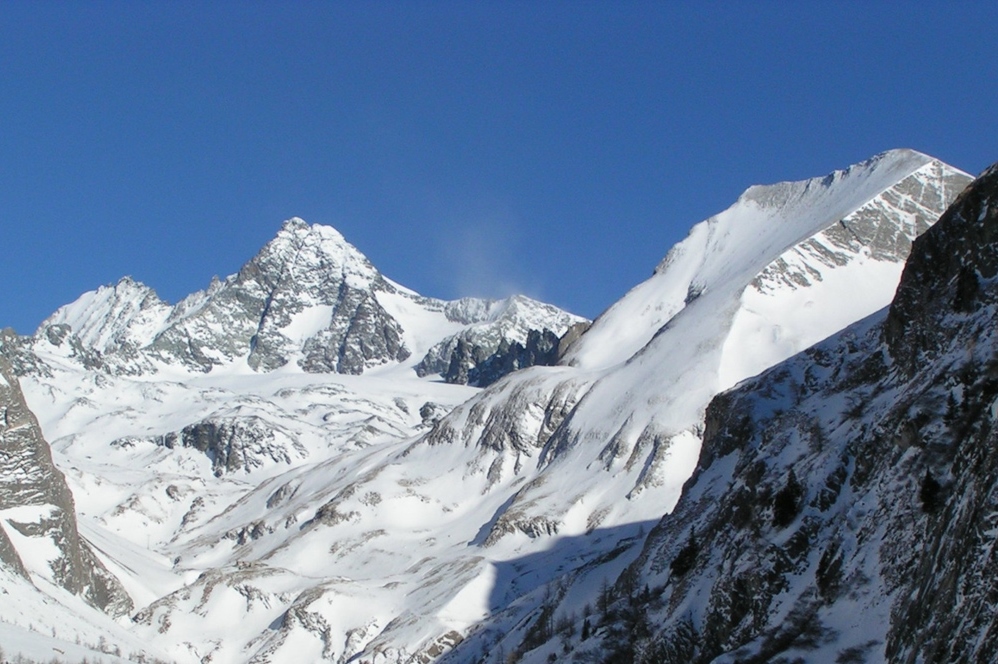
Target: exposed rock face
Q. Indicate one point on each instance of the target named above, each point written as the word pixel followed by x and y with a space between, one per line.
pixel 845 502
pixel 360 332
pixel 498 335
pixel 571 336
pixel 948 273
pixel 307 298
pixel 37 515
pixel 881 230
pixel 236 443
pixel 253 313
pixel 541 349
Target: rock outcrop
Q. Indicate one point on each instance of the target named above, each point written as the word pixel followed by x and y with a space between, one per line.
pixel 497 340
pixel 38 530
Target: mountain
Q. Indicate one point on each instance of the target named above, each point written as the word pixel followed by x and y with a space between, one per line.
pixel 843 505
pixel 38 533
pixel 784 267
pixel 309 298
pixel 275 471
pixel 157 436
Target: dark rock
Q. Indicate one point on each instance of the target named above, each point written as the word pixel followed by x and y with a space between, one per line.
pixel 360 333
pixel 232 443
pixel 571 336
pixel 432 413
pixel 942 275
pixel 28 478
pixel 495 327
pixel 471 365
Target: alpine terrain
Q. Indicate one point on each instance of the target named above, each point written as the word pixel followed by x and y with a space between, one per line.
pixel 309 462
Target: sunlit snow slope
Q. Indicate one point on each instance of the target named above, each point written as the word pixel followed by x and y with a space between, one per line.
pixel 265 498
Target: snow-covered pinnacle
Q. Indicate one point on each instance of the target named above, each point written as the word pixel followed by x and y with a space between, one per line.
pixel 126 313
pixel 308 299
pixel 307 293
pixel 300 248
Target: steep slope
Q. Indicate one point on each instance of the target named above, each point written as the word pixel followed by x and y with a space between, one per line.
pixel 779 239
pixel 397 551
pixel 38 531
pixel 843 508
pixel 774 273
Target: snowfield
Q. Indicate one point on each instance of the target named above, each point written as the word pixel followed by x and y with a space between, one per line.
pixel 264 511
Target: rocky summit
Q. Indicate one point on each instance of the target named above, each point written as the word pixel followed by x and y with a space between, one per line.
pixel 776 448
pixel 308 298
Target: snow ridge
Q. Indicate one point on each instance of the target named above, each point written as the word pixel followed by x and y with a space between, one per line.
pixel 272 481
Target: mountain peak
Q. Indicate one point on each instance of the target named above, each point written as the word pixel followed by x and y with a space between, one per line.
pixel 861 208
pixel 295 223
pixel 299 246
pixel 298 227
pixel 113 315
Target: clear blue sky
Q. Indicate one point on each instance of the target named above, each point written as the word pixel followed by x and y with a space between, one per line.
pixel 557 149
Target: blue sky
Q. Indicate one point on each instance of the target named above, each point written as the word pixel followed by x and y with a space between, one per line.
pixel 557 149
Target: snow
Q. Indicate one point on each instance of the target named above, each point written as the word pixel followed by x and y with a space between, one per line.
pixel 353 516
pixel 422 326
pixel 771 327
pixel 730 248
pixel 126 311
pixel 37 553
pixel 308 323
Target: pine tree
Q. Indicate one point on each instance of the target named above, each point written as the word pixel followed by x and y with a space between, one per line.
pixel 686 558
pixel 786 503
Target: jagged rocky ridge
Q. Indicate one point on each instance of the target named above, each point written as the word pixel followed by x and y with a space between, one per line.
pixel 308 298
pixel 844 505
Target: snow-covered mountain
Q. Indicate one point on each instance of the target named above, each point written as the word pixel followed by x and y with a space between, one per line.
pixel 843 508
pixel 779 270
pixel 274 470
pixel 163 416
pixel 309 298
